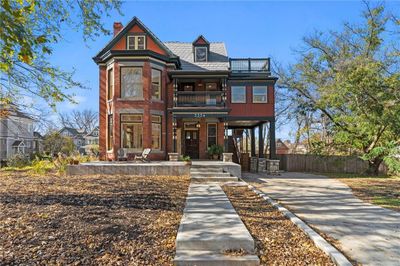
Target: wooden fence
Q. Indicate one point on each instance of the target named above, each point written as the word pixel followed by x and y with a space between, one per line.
pixel 323 164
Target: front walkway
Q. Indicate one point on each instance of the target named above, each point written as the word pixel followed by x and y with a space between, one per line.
pixel 367 233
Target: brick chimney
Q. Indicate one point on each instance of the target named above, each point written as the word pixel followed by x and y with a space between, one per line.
pixel 117 27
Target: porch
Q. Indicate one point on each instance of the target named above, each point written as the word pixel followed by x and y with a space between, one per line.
pixel 154 168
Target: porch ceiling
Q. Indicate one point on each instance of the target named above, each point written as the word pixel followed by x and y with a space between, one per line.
pixel 244 123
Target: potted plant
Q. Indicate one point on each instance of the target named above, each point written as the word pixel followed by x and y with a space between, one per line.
pixel 187 160
pixel 214 151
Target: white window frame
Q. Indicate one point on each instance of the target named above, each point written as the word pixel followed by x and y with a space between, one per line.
pixel 266 93
pixel 245 94
pixel 195 53
pixel 136 42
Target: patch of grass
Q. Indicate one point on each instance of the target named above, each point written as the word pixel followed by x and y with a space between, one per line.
pixel 383 190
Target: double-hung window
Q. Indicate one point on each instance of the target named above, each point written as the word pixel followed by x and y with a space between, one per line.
pixel 110 84
pixel 211 134
pixel 238 94
pixel 136 42
pixel 156 132
pixel 156 84
pixel 131 82
pixel 260 94
pixel 110 140
pixel 132 131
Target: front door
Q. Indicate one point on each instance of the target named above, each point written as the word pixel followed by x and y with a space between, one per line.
pixel 192 143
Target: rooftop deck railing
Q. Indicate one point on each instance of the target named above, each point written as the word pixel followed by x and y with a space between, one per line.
pixel 249 65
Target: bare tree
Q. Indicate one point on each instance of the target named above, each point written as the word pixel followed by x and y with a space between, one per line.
pixel 86 119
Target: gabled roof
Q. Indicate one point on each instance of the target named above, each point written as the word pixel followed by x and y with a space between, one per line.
pixel 74 132
pixel 133 22
pixel 201 37
pixel 91 134
pixel 18 143
pixel 217 58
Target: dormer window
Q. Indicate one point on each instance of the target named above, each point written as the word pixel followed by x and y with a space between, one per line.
pixel 201 54
pixel 201 47
pixel 136 42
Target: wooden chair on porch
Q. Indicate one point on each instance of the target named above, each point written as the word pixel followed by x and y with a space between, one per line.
pixel 143 156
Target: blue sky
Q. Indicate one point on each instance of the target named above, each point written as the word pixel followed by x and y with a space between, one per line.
pixel 249 29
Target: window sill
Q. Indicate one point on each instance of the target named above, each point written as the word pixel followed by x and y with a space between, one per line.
pixel 259 102
pixel 157 101
pixel 238 102
pixel 131 99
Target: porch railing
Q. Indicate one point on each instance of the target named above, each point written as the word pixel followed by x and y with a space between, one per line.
pixel 249 65
pixel 199 99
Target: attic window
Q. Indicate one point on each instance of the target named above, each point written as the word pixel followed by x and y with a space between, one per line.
pixel 136 42
pixel 200 54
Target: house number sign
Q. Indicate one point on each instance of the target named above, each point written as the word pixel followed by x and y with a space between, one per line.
pixel 199 115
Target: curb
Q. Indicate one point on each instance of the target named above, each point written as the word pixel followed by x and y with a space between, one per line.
pixel 336 256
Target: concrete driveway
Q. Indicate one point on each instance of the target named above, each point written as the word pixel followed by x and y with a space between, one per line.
pixel 367 233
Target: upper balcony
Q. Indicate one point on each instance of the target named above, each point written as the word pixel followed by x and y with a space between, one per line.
pixel 199 99
pixel 249 65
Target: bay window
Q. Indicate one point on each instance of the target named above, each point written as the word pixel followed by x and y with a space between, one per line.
pixel 131 82
pixel 110 84
pixel 110 140
pixel 156 132
pixel 156 84
pixel 132 131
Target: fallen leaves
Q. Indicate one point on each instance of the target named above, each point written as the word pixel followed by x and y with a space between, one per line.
pixel 278 241
pixel 90 220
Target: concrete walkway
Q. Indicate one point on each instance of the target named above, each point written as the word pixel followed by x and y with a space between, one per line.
pixel 366 233
pixel 209 228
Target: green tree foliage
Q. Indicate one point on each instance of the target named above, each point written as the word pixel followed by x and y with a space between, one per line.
pixel 55 143
pixel 29 29
pixel 352 77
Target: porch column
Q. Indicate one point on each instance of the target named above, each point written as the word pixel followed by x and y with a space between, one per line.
pixel 272 144
pixel 174 133
pixel 225 136
pixel 253 142
pixel 260 141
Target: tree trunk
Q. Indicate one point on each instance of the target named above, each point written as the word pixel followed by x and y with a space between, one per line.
pixel 373 166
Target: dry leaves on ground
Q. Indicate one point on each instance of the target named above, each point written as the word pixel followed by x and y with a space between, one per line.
pixel 278 240
pixel 90 220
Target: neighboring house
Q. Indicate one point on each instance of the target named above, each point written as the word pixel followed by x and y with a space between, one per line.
pixel 294 148
pixel 16 133
pixel 178 97
pixel 77 136
pixel 281 147
pixel 91 140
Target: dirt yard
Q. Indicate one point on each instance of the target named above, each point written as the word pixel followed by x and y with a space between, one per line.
pixel 278 240
pixel 89 220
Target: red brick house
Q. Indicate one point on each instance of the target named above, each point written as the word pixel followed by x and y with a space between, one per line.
pixel 177 97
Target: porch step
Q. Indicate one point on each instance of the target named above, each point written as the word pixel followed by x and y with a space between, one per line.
pixel 205 179
pixel 209 228
pixel 206 173
pixel 206 169
pixel 207 258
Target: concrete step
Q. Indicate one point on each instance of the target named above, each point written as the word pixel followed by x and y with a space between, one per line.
pixel 206 166
pixel 213 178
pixel 210 223
pixel 207 258
pixel 198 173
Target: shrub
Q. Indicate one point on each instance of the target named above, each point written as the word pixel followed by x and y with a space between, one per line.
pixel 42 166
pixel 18 161
pixel 215 150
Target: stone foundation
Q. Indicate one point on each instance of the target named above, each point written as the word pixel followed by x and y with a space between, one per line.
pixel 253 164
pixel 273 166
pixel 262 165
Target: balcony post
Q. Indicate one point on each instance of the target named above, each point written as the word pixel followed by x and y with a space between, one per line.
pixel 272 145
pixel 253 142
pixel 225 136
pixel 174 133
pixel 175 89
pixel 260 141
pixel 224 92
